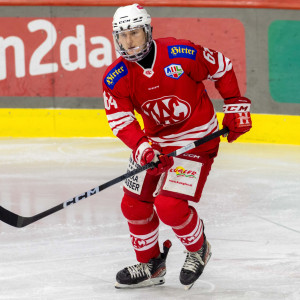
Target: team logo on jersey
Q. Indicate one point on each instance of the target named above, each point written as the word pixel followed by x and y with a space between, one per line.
pixel 174 71
pixel 137 242
pixel 115 74
pixel 148 72
pixel 168 110
pixel 182 51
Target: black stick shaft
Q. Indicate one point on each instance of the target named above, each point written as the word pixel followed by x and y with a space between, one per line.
pixel 15 220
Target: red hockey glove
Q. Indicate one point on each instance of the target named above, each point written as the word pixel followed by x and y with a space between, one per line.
pixel 145 154
pixel 237 117
pixel 164 163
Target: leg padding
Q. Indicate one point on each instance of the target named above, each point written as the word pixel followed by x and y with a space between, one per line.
pixel 143 226
pixel 183 219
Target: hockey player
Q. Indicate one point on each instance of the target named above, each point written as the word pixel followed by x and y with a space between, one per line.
pixel 162 80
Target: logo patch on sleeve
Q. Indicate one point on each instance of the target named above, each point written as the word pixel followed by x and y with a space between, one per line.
pixel 174 71
pixel 182 51
pixel 116 74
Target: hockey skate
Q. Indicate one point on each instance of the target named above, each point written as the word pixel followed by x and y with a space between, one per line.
pixel 144 274
pixel 194 265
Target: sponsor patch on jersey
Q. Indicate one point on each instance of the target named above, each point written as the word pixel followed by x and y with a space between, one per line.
pixel 174 71
pixel 182 172
pixel 182 51
pixel 183 177
pixel 115 75
pixel 134 183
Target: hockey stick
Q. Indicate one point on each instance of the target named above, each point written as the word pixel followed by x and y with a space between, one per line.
pixel 15 220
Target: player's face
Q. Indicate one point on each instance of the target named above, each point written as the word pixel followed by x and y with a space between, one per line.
pixel 132 40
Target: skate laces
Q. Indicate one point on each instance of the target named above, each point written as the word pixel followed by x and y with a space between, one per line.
pixel 139 270
pixel 192 261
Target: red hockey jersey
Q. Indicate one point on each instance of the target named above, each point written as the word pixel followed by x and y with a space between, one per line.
pixel 170 96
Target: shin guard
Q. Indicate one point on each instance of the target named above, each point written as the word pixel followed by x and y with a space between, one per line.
pixel 183 219
pixel 143 226
pixel 190 233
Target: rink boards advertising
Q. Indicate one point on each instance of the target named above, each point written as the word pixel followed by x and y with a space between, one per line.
pixel 52 62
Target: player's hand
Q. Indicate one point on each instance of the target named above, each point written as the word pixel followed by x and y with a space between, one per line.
pixel 145 153
pixel 237 117
pixel 164 163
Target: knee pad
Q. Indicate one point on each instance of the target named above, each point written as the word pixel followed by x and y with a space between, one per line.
pixel 172 211
pixel 143 226
pixel 136 211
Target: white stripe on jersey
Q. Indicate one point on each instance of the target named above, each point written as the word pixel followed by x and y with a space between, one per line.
pixel 183 138
pixel 120 120
pixel 223 68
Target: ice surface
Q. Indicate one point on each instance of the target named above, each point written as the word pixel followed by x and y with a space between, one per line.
pixel 250 206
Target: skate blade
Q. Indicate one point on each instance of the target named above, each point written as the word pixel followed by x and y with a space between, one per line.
pixel 188 287
pixel 146 283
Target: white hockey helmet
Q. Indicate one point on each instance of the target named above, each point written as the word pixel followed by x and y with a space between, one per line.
pixel 128 18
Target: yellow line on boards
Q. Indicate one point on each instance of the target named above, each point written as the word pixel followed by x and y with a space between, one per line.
pixel 17 123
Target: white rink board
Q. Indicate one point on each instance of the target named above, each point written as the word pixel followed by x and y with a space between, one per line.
pixel 250 206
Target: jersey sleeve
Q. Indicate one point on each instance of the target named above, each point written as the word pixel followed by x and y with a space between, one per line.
pixel 120 114
pixel 213 65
